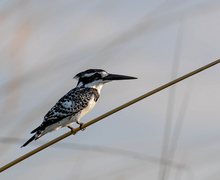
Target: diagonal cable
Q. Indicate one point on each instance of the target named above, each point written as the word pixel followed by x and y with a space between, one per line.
pixel 99 118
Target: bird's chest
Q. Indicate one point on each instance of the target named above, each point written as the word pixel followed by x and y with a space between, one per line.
pixel 89 107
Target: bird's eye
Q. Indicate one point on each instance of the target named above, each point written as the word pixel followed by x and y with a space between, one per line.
pixel 97 76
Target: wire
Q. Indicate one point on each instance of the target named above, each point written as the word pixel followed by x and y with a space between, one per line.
pixel 99 118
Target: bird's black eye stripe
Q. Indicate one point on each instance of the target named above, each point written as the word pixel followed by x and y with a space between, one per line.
pixel 97 76
pixel 92 78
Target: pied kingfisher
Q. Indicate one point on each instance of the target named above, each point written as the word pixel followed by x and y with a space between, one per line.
pixel 76 103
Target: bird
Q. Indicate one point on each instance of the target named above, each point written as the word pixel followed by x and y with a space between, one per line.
pixel 76 103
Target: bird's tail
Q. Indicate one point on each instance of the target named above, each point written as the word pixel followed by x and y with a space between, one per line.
pixel 34 137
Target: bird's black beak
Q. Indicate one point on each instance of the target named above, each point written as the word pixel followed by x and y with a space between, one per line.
pixel 112 77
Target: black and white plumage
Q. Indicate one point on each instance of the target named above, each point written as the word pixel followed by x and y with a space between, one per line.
pixel 77 102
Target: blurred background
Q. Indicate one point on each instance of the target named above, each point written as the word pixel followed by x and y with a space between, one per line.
pixel 173 135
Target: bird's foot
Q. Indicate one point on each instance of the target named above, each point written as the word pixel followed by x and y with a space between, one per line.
pixel 80 126
pixel 72 129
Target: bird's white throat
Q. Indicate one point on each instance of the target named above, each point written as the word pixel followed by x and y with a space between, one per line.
pixel 98 87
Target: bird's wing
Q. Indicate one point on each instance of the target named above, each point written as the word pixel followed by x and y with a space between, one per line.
pixel 72 103
pixel 63 108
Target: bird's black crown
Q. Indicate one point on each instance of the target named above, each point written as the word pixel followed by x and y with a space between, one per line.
pixel 89 71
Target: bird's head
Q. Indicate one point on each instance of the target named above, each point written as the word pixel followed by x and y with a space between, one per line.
pixel 96 78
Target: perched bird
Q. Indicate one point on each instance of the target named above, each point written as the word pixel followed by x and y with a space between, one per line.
pixel 76 103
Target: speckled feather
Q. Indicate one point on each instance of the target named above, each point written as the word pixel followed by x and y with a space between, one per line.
pixel 69 105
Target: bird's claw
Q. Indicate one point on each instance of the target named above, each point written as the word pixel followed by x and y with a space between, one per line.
pixel 80 126
pixel 72 129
